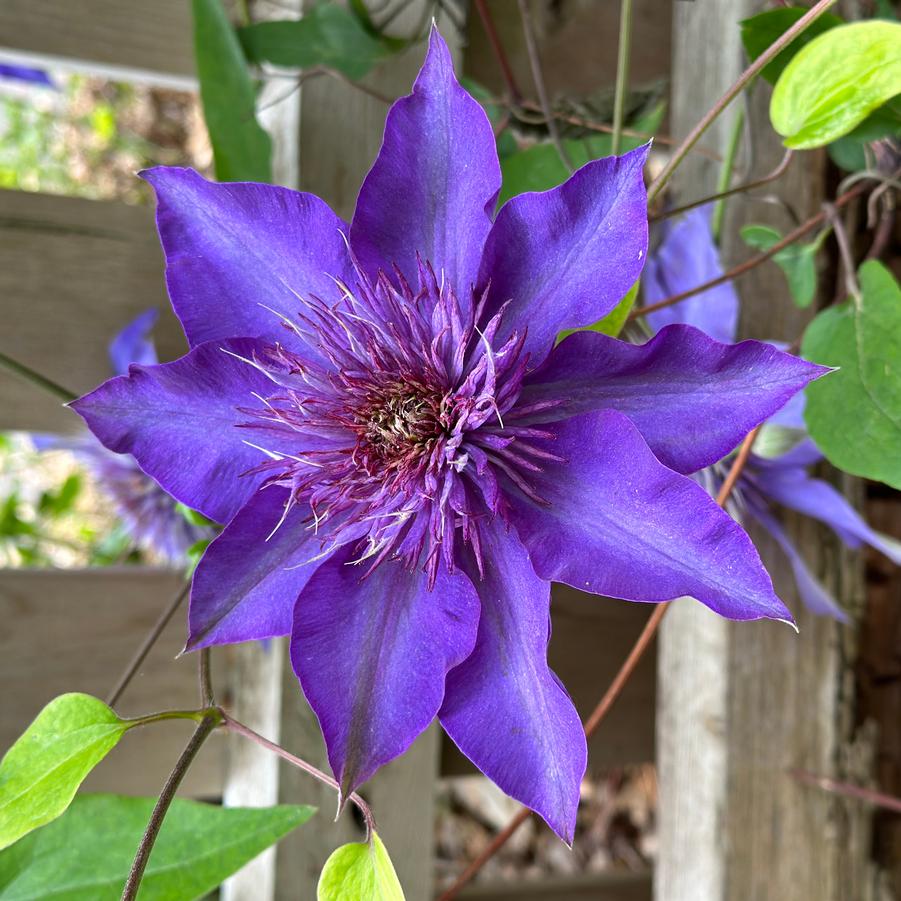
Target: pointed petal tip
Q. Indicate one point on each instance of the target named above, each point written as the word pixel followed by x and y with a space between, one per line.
pixel 788 622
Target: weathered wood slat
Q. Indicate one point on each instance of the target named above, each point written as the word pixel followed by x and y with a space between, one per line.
pixel 740 704
pixel 75 630
pixel 125 39
pixel 590 638
pixel 600 887
pixel 72 273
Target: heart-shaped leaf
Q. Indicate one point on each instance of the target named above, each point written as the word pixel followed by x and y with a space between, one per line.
pixel 41 772
pixel 854 415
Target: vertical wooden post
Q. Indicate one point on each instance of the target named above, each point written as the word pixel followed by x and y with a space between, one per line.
pixel 739 704
pixel 326 137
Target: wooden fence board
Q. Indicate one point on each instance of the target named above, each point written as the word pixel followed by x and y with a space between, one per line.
pixel 75 630
pixel 741 703
pixel 126 39
pixel 599 887
pixel 590 638
pixel 72 273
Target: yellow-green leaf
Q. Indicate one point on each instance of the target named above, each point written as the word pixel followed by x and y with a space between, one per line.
pixel 359 870
pixel 41 772
pixel 836 81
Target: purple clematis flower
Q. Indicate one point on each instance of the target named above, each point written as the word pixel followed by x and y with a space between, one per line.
pixel 150 515
pixel 27 74
pixel 777 472
pixel 403 458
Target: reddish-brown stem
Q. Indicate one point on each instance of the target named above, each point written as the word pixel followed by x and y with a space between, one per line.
pixel 610 695
pixel 498 48
pixel 848 790
pixel 755 261
pixel 240 729
pixel 528 106
pixel 538 78
pixel 777 173
pixel 744 79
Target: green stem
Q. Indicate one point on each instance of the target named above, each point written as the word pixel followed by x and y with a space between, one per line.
pixel 163 715
pixel 743 80
pixel 204 728
pixel 622 73
pixel 41 381
pixel 725 180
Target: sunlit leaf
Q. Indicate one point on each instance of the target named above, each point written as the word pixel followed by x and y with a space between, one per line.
pixel 359 870
pixel 761 31
pixel 836 81
pixel 86 854
pixel 242 150
pixel 41 772
pixel 854 415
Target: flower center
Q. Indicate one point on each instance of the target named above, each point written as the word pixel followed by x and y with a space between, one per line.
pixel 402 420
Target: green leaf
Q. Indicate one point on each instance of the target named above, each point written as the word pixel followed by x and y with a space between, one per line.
pixel 797 261
pixel 854 415
pixel 836 81
pixel 86 854
pixel 356 871
pixel 242 150
pixel 763 30
pixel 539 167
pixel 612 324
pixel 41 772
pixel 849 152
pixel 193 517
pixel 327 35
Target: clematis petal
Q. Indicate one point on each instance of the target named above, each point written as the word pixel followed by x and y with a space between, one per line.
pixel 503 706
pixel 134 344
pixel 179 421
pixel 248 581
pixel 688 257
pixel 814 596
pixel 565 257
pixel 434 185
pixel 795 489
pixel 232 250
pixel 617 522
pixel 692 398
pixel 372 654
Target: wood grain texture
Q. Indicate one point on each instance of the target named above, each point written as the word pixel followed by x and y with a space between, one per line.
pixel 253 774
pixel 125 39
pixel 590 638
pixel 75 630
pixel 600 887
pixel 733 825
pixel 72 273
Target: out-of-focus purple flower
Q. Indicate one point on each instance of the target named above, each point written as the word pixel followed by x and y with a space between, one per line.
pixel 777 474
pixel 404 459
pixel 27 74
pixel 150 515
